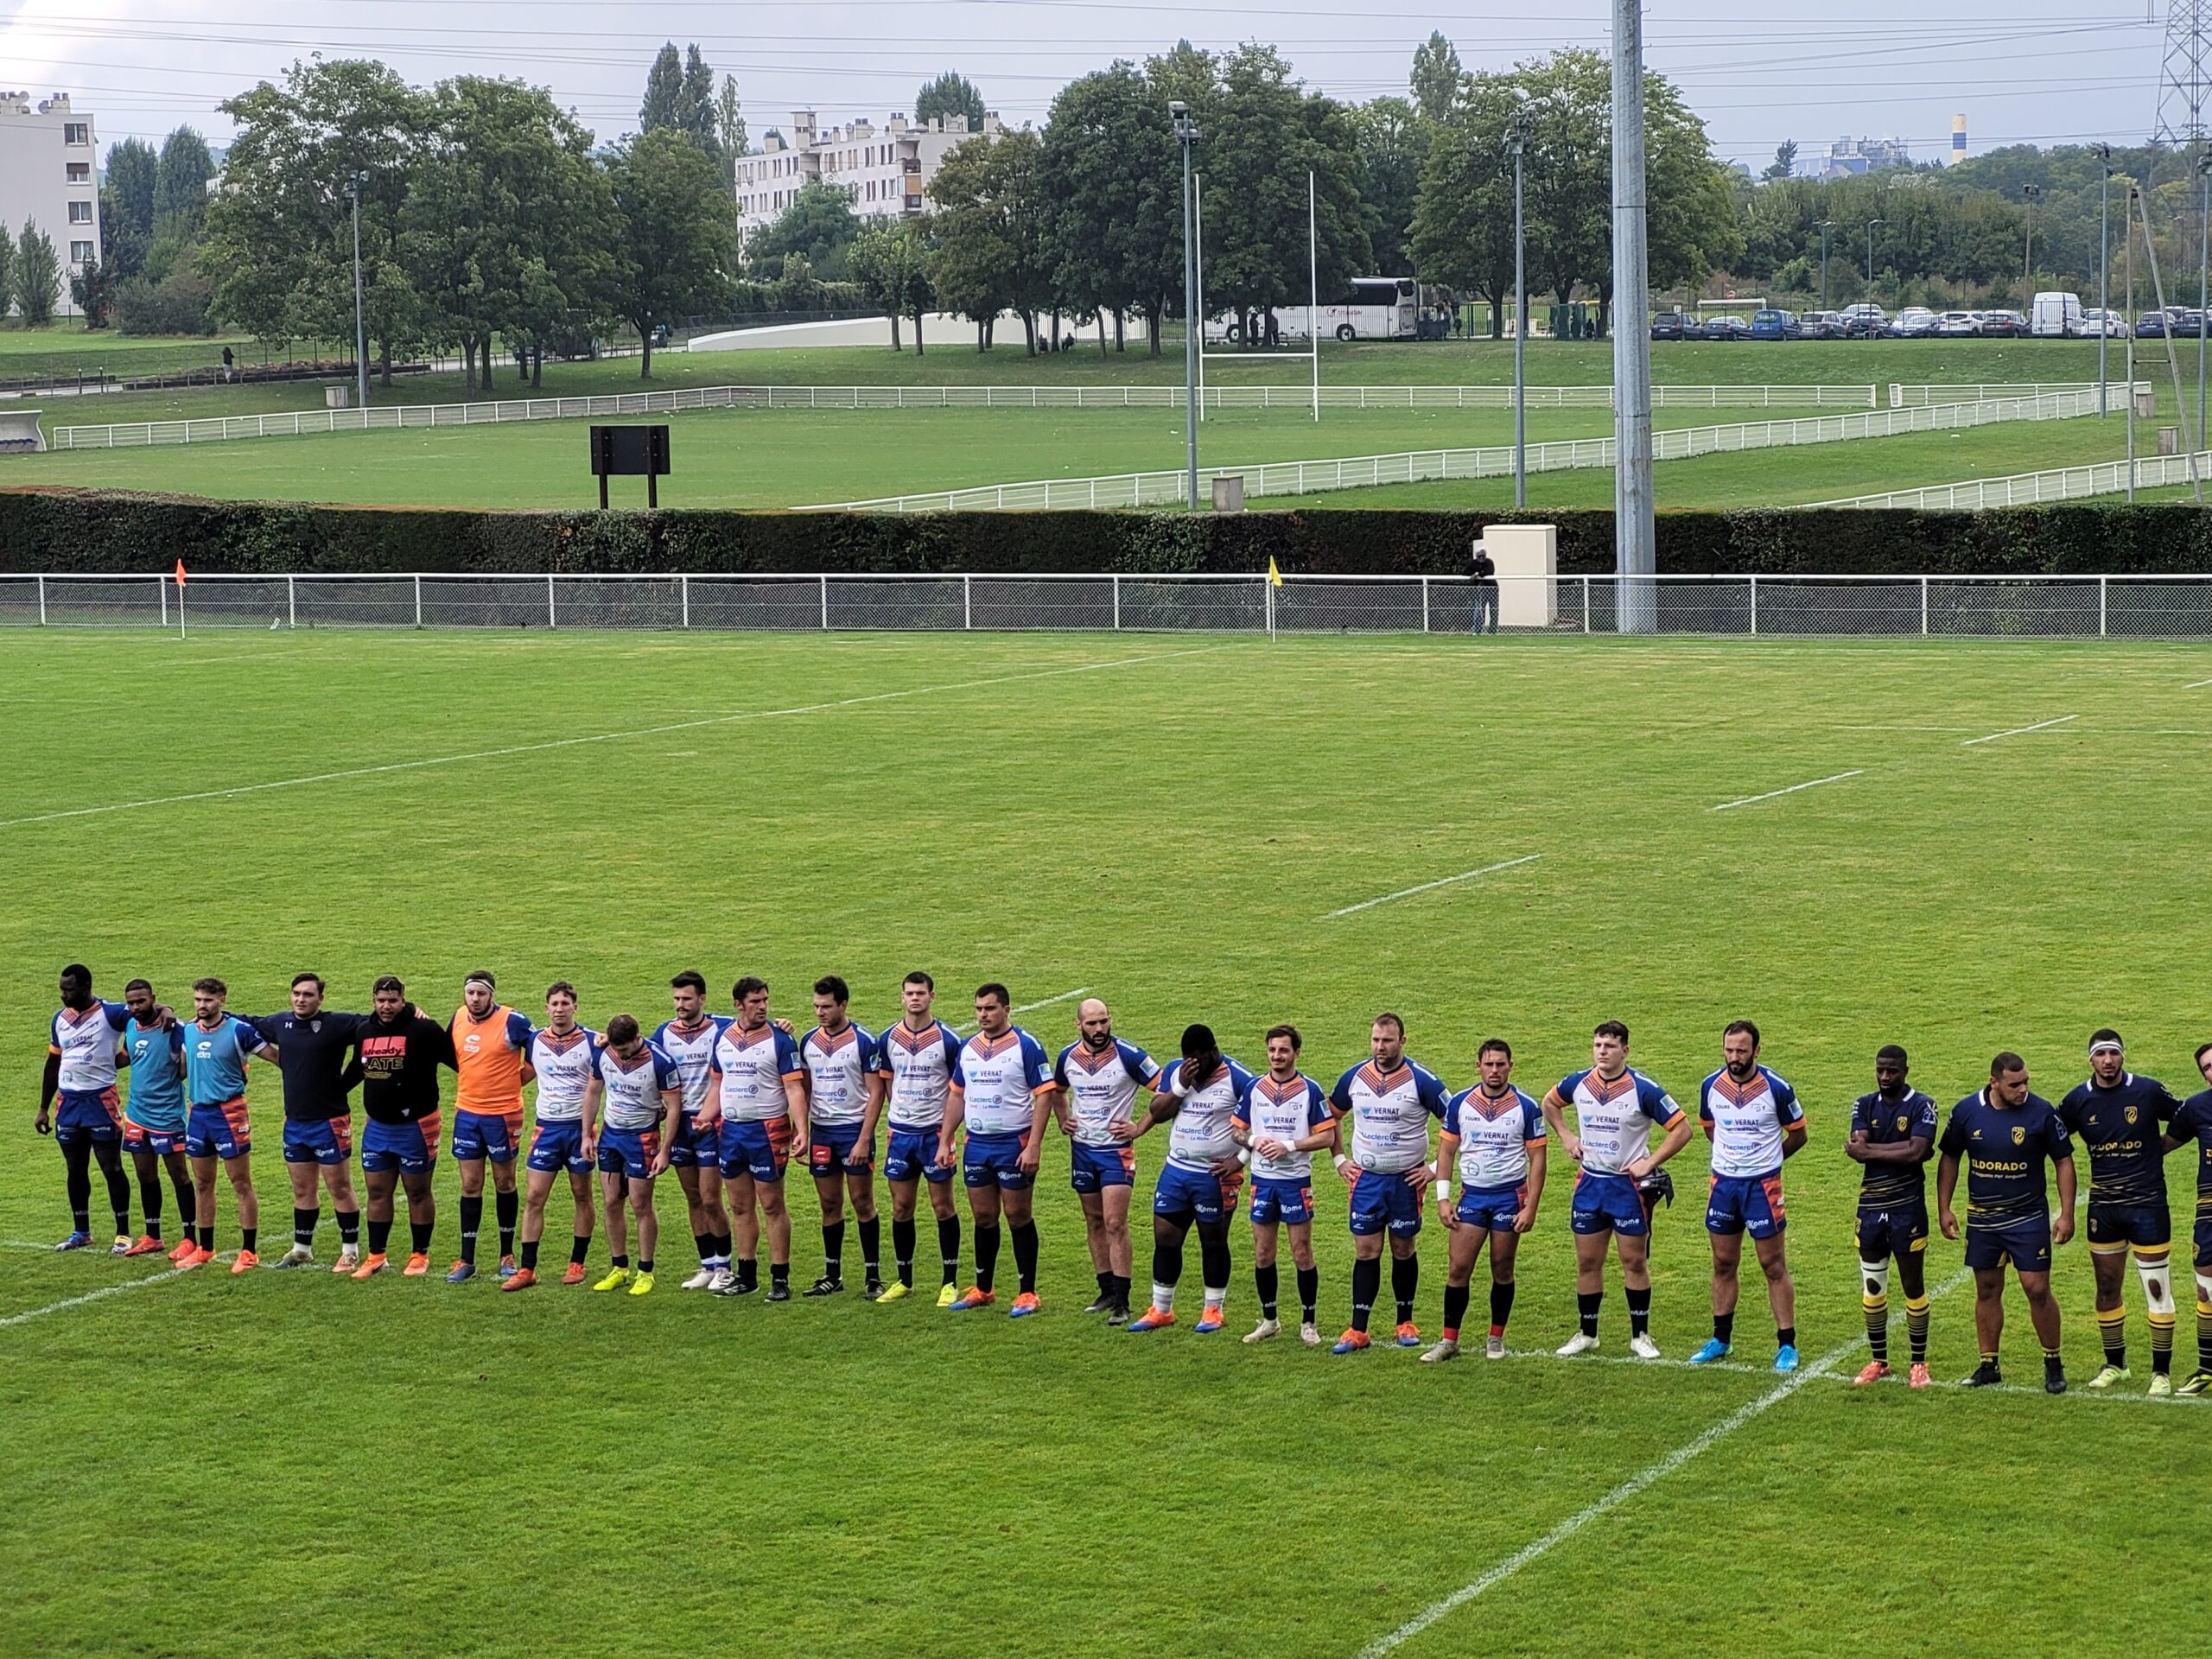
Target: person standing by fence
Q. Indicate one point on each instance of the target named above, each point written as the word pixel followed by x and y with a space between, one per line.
pixel 1484 569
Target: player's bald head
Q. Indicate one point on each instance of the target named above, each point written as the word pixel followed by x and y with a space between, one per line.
pixel 1092 1008
pixel 1096 1021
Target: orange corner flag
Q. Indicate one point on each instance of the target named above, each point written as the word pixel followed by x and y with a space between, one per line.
pixel 1275 576
pixel 179 573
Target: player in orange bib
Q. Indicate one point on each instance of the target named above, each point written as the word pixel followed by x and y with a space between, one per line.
pixel 491 1044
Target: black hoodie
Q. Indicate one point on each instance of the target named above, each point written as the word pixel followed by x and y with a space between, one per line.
pixel 397 1062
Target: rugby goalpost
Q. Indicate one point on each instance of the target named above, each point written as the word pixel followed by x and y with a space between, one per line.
pixel 1312 352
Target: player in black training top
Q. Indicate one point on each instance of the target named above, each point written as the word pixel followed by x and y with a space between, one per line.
pixel 2005 1133
pixel 313 1046
pixel 2118 1117
pixel 1893 1135
pixel 2194 1122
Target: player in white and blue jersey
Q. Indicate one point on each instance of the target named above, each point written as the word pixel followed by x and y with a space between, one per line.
pixel 915 1056
pixel 756 1102
pixel 1199 1095
pixel 80 1061
pixel 630 1099
pixel 845 1099
pixel 1751 1116
pixel 695 1154
pixel 1389 1100
pixel 1494 1133
pixel 1098 1077
pixel 1001 1095
pixel 1616 1109
pixel 561 1054
pixel 1282 1121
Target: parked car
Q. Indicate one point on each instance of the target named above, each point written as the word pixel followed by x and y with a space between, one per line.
pixel 2055 315
pixel 1677 325
pixel 1728 328
pixel 1957 325
pixel 1820 325
pixel 2004 325
pixel 2098 323
pixel 2186 323
pixel 1864 321
pixel 1775 325
pixel 2151 324
pixel 1914 322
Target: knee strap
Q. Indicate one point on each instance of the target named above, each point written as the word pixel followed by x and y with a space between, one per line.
pixel 1874 1281
pixel 2157 1283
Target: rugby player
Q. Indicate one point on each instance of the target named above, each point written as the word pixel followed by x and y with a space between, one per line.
pixel 218 1046
pixel 1893 1135
pixel 488 1043
pixel 689 1039
pixel 2194 1122
pixel 1001 1092
pixel 81 1060
pixel 633 1090
pixel 1389 1100
pixel 1282 1121
pixel 1615 1108
pixel 844 1098
pixel 1098 1077
pixel 561 1054
pixel 398 1053
pixel 1751 1116
pixel 756 1109
pixel 312 1043
pixel 1199 1096
pixel 2120 1118
pixel 1495 1134
pixel 2005 1134
pixel 917 1056
pixel 153 1117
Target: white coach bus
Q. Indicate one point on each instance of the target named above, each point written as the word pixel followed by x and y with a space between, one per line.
pixel 1378 307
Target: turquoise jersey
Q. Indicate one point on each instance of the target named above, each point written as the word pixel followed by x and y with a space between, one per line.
pixel 155 1058
pixel 215 1060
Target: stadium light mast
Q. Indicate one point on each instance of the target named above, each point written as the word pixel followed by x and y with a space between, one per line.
pixel 1516 144
pixel 1871 224
pixel 2204 270
pixel 1186 134
pixel 1826 224
pixel 2030 193
pixel 2104 270
pixel 1635 534
pixel 354 184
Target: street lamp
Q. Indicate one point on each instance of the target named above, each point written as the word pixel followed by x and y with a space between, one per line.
pixel 1826 225
pixel 1186 134
pixel 2104 270
pixel 2030 193
pixel 1871 224
pixel 355 183
pixel 1516 145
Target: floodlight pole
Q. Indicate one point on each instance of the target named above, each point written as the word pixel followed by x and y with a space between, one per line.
pixel 2203 268
pixel 2127 281
pixel 353 186
pixel 2104 271
pixel 1516 142
pixel 1635 534
pixel 1186 134
pixel 2029 193
pixel 1871 224
pixel 1826 225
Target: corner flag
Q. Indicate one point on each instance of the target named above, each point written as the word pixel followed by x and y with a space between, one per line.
pixel 1275 576
pixel 179 573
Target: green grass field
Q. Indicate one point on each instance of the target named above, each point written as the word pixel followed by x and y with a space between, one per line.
pixel 272 1465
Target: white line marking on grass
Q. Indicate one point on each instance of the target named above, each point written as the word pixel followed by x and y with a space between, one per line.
pixel 2015 731
pixel 1628 1488
pixel 89 1296
pixel 596 737
pixel 1408 892
pixel 1835 777
pixel 2194 685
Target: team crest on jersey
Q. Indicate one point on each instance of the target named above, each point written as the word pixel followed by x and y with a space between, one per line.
pixel 1900 1126
pixel 2019 1136
pixel 2131 1115
pixel 315 1024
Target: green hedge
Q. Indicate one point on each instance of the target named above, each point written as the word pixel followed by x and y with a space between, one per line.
pixel 97 532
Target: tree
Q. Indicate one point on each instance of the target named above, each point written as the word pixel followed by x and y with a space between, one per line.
pixel 664 100
pixel 38 275
pixel 181 179
pixel 890 261
pixel 1436 76
pixel 1110 173
pixel 949 95
pixel 1462 234
pixel 1784 164
pixel 674 244
pixel 990 255
pixel 7 272
pixel 92 291
pixel 729 128
pixel 695 104
pixel 1390 152
pixel 819 226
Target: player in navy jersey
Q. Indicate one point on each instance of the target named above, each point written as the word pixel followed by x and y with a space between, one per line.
pixel 1494 1133
pixel 916 1056
pixel 1002 1095
pixel 1282 1121
pixel 844 1098
pixel 1751 1116
pixel 80 1061
pixel 1199 1096
pixel 688 1038
pixel 2004 1134
pixel 1616 1109
pixel 2193 1124
pixel 1893 1135
pixel 2120 1118
pixel 1098 1077
pixel 1389 1100
pixel 315 1042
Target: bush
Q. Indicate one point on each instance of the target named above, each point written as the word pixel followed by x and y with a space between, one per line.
pixel 178 304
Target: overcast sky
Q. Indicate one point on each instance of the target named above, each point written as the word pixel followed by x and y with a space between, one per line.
pixel 2037 71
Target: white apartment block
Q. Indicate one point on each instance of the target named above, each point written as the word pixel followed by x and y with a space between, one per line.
pixel 47 174
pixel 886 172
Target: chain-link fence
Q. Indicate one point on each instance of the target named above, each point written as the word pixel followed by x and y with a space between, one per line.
pixel 2046 608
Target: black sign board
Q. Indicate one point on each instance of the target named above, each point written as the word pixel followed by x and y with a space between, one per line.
pixel 630 451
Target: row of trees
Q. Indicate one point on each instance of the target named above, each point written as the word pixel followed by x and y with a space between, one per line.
pixel 29 274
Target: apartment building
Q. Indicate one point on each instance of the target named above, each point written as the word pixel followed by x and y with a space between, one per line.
pixel 885 171
pixel 48 174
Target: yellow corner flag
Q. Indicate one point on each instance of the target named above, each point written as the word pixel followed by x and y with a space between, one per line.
pixel 1275 576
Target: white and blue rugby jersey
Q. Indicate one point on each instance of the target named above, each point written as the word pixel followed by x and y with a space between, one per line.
pixel 692 1048
pixel 87 1044
pixel 563 1067
pixel 1288 1112
pixel 837 1070
pixel 1614 1117
pixel 1102 1085
pixel 1495 1134
pixel 1748 1119
pixel 632 1101
pixel 1199 1137
pixel 919 1064
pixel 1389 1112
pixel 753 1065
pixel 999 1079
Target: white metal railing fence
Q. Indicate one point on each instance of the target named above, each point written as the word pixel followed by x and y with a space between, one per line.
pixel 1907 397
pixel 2026 489
pixel 1951 606
pixel 1167 489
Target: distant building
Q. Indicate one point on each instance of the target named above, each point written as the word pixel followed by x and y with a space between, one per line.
pixel 1848 156
pixel 1958 141
pixel 48 174
pixel 886 172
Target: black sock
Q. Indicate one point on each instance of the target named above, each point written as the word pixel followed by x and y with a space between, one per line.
pixel 1501 1306
pixel 872 1248
pixel 833 1250
pixel 506 1206
pixel 418 1234
pixel 304 1226
pixel 150 1199
pixel 530 1255
pixel 706 1243
pixel 1455 1309
pixel 1405 1283
pixel 779 1275
pixel 1214 1266
pixel 645 1264
pixel 1309 1293
pixel 1366 1281
pixel 472 1217
pixel 1724 1328
pixel 1166 1262
pixel 188 1204
pixel 1586 1304
pixel 986 1255
pixel 1105 1283
pixel 349 1228
pixel 1025 1256
pixel 1121 1289
pixel 948 1247
pixel 721 1243
pixel 620 1261
pixel 78 1160
pixel 748 1271
pixel 118 1193
pixel 379 1236
pixel 902 1247
pixel 1263 1280
pixel 1785 1336
pixel 206 1238
pixel 579 1249
pixel 246 1237
pixel 1639 1310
